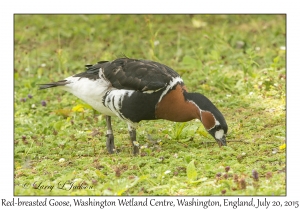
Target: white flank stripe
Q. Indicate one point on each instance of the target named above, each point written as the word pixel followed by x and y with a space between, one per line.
pixel 172 83
pixel 114 100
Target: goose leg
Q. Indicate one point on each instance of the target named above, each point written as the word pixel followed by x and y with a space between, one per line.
pixel 110 144
pixel 135 144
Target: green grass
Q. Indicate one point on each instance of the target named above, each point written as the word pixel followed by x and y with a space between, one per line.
pixel 238 61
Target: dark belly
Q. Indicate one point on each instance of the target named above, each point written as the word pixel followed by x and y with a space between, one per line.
pixel 140 106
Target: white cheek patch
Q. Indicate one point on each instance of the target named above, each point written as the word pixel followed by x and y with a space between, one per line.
pixel 219 134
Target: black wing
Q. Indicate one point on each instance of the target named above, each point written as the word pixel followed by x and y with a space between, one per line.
pixel 93 70
pixel 132 74
pixel 143 75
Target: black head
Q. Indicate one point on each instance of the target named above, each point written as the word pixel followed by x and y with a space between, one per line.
pixel 212 119
pixel 219 132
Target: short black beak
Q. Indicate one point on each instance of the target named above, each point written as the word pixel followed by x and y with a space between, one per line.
pixel 222 141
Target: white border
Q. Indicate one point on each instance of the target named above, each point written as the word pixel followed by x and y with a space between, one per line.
pixel 154 6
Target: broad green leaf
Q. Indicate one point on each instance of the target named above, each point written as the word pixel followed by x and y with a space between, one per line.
pixel 191 171
pixel 58 125
pixel 276 59
pixel 189 61
pixel 199 180
pixel 100 174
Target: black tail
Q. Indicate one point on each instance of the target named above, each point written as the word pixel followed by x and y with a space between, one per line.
pixel 54 84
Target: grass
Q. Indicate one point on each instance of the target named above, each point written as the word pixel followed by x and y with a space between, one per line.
pixel 238 61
